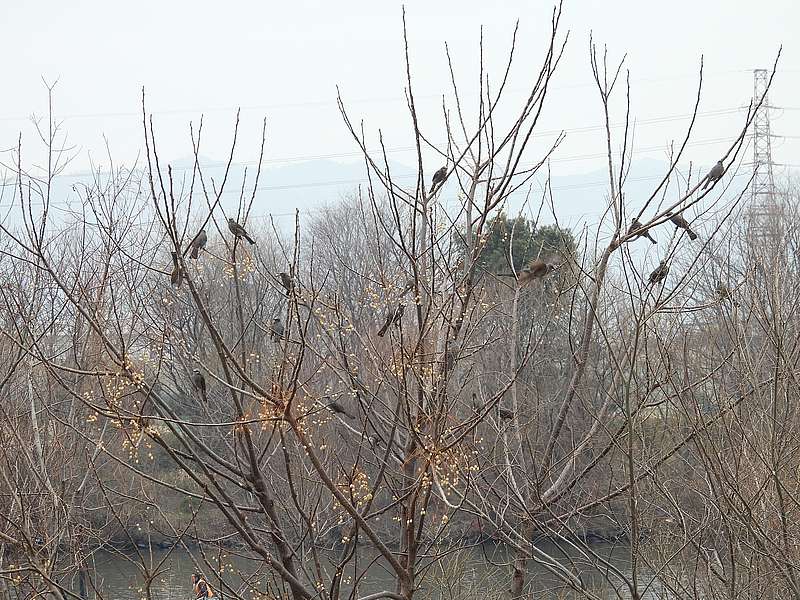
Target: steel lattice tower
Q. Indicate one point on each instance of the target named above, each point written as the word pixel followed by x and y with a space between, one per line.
pixel 764 206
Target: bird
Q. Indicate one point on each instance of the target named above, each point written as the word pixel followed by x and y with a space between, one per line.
pixel 393 318
pixel 715 174
pixel 724 293
pixel 660 273
pixel 635 226
pixel 239 231
pixel 535 270
pixel 198 243
pixel 176 277
pixel 199 382
pixel 506 413
pixel 682 223
pixel 337 408
pixel 286 282
pixel 276 330
pixel 438 178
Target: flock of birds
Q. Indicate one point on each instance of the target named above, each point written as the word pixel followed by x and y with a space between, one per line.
pixel 660 273
pixel 535 270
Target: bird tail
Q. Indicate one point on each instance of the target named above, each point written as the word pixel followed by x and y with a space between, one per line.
pixel 692 234
pixel 383 329
pixel 195 252
pixel 204 396
pixel 707 183
pixel 249 239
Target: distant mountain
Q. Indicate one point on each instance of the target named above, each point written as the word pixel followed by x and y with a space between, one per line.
pixel 305 186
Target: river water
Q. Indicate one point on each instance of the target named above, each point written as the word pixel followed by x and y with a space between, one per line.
pixel 481 573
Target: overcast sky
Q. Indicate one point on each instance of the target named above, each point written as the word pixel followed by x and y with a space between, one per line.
pixel 283 60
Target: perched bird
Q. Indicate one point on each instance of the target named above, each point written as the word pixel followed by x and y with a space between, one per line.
pixel 682 223
pixel 198 243
pixel 506 413
pixel 535 270
pixel 660 273
pixel 393 318
pixel 724 293
pixel 635 226
pixel 286 282
pixel 177 273
pixel 715 174
pixel 438 178
pixel 337 408
pixel 239 231
pixel 276 330
pixel 199 382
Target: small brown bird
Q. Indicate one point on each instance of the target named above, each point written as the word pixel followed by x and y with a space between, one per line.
pixel 337 408
pixel 438 178
pixel 635 226
pixel 199 382
pixel 536 270
pixel 393 318
pixel 682 223
pixel 724 294
pixel 715 174
pixel 239 231
pixel 177 273
pixel 198 243
pixel 276 330
pixel 506 413
pixel 286 282
pixel 660 273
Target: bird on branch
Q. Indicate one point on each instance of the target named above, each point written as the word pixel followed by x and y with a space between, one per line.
pixel 287 283
pixel 715 174
pixel 438 178
pixel 393 318
pixel 176 277
pixel 660 273
pixel 199 382
pixel 636 226
pixel 239 231
pixel 198 243
pixel 276 330
pixel 337 408
pixel 682 223
pixel 536 270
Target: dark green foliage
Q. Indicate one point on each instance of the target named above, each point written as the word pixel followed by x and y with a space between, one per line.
pixel 528 242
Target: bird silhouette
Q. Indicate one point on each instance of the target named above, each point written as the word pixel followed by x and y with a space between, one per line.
pixel 239 231
pixel 276 330
pixel 635 226
pixel 660 273
pixel 199 382
pixel 505 413
pixel 438 178
pixel 198 243
pixel 176 277
pixel 337 408
pixel 286 282
pixel 682 223
pixel 393 318
pixel 715 174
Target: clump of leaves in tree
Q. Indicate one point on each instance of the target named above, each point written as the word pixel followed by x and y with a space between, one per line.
pixel 521 241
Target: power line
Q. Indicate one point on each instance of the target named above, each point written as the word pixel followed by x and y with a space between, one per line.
pixel 400 149
pixel 316 103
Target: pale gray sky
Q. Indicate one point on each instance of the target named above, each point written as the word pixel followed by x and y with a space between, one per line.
pixel 284 59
